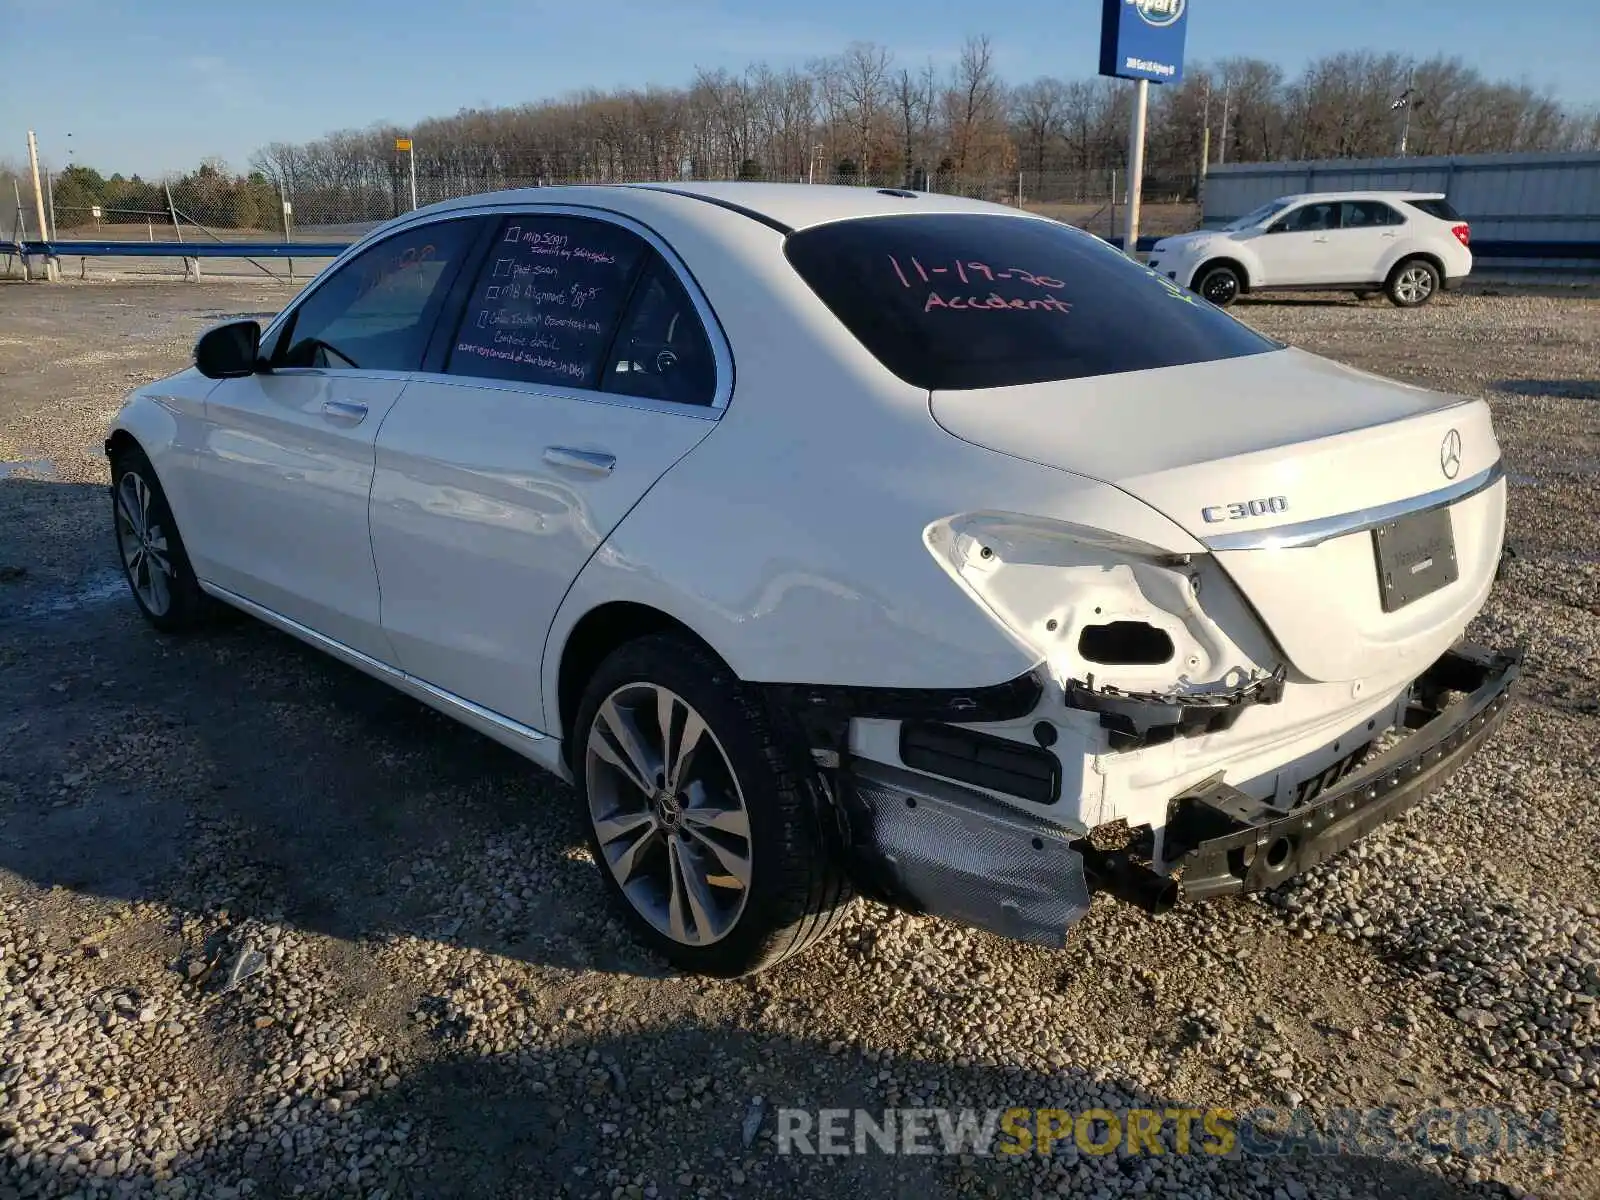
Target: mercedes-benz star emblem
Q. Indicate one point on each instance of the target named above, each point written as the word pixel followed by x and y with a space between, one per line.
pixel 1450 454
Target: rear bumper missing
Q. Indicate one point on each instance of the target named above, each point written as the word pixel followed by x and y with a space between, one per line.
pixel 1219 841
pixel 937 847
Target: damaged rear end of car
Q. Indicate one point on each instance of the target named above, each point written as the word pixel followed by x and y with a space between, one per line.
pixel 1268 667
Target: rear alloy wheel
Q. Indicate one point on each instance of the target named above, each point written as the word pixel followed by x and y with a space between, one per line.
pixel 154 561
pixel 1220 285
pixel 698 813
pixel 1413 283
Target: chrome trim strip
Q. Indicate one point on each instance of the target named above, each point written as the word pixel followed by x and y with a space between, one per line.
pixel 367 663
pixel 1311 533
pixel 547 391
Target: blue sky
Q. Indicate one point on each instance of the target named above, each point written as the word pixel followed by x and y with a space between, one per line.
pixel 154 85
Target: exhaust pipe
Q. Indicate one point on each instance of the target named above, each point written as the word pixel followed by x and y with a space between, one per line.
pixel 1133 883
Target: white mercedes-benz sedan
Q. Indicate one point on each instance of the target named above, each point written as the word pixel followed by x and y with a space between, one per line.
pixel 839 540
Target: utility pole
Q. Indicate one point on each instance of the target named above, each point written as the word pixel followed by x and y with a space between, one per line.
pixel 1227 103
pixel 1141 101
pixel 51 271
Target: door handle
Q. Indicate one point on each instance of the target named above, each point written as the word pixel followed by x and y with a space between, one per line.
pixel 344 410
pixel 580 460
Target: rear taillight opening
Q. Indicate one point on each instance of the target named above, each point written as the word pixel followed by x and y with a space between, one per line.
pixel 1463 233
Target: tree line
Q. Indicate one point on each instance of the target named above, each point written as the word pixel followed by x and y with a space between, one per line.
pixel 864 116
pixel 210 195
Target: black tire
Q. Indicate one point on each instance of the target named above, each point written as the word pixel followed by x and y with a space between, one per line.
pixel 1412 283
pixel 1219 283
pixel 797 889
pixel 186 607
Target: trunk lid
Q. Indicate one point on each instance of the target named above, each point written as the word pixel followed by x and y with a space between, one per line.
pixel 1231 449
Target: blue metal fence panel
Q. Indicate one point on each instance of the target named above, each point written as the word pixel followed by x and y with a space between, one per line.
pixel 186 249
pixel 1506 197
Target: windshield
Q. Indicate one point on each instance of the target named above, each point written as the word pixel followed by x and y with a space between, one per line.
pixel 1260 216
pixel 951 301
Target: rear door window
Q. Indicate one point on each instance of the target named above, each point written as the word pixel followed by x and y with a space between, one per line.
pixel 955 301
pixel 1368 214
pixel 661 351
pixel 546 301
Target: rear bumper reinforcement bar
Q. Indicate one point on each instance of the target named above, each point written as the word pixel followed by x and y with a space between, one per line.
pixel 1220 841
pixel 934 846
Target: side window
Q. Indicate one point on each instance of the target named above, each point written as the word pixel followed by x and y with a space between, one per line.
pixel 546 301
pixel 377 311
pixel 1310 218
pixel 1367 214
pixel 661 350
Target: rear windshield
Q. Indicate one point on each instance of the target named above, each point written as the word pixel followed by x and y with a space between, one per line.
pixel 1436 208
pixel 953 301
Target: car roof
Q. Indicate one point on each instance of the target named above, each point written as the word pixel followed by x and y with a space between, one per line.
pixel 1365 194
pixel 787 206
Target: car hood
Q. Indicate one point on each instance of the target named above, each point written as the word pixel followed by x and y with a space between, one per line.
pixel 1237 448
pixel 1188 241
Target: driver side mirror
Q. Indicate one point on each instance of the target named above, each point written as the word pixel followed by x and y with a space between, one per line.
pixel 228 351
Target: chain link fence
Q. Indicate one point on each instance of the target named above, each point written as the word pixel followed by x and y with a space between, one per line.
pixel 214 207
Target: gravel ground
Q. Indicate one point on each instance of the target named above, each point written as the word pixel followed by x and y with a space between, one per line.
pixel 268 928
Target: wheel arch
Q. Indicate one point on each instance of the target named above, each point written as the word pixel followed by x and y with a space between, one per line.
pixel 119 441
pixel 598 633
pixel 1405 256
pixel 1237 264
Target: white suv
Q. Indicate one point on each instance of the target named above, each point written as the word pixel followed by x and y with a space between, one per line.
pixel 1405 244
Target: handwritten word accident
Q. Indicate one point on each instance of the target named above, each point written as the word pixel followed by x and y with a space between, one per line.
pixel 972 273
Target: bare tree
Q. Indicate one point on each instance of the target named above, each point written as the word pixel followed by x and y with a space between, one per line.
pixel 899 124
pixel 1039 111
pixel 913 108
pixel 864 87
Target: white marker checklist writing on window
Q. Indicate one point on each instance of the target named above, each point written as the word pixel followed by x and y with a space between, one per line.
pixel 493 293
pixel 512 233
pixel 502 267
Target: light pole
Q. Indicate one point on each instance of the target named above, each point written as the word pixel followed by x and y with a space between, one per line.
pixel 1227 103
pixel 402 145
pixel 1141 100
pixel 811 177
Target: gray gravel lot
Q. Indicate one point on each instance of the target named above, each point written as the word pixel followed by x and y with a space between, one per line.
pixel 268 928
